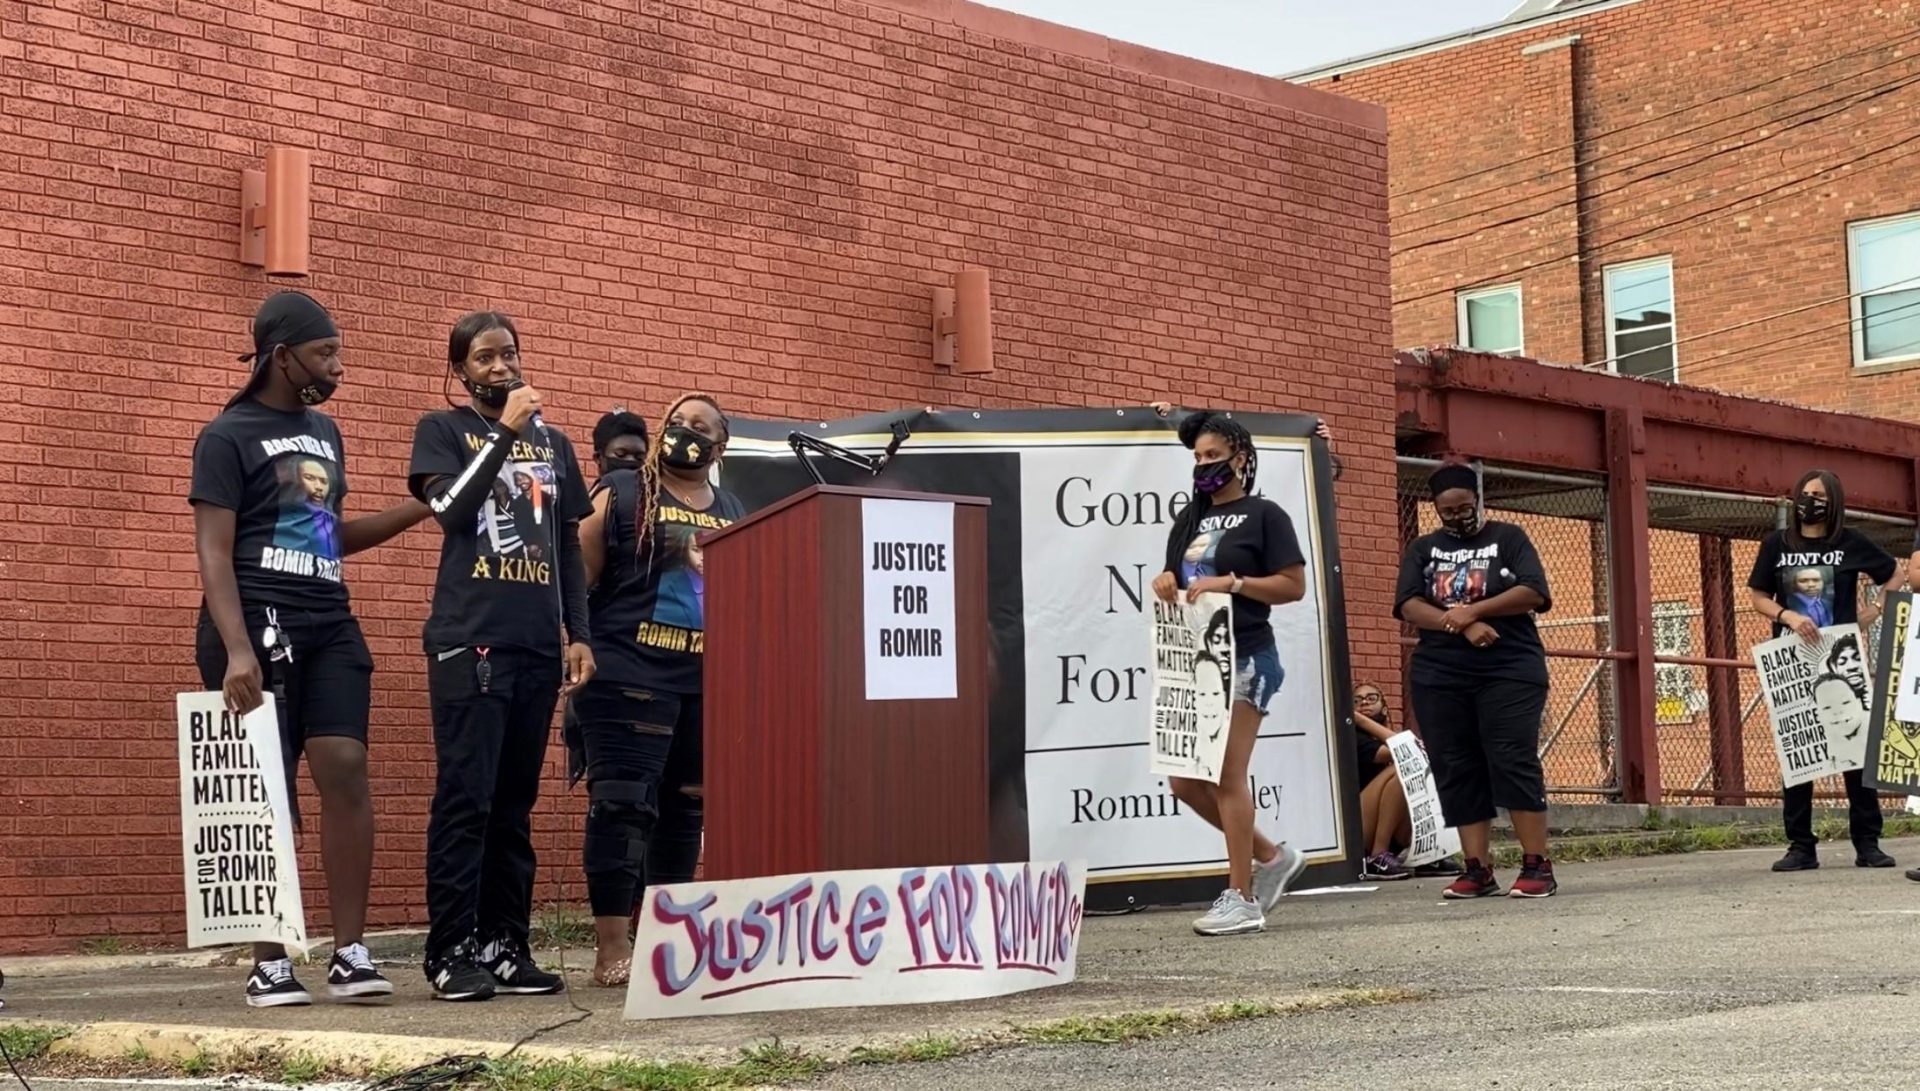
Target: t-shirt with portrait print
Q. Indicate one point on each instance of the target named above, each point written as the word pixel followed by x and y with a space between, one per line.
pixel 1819 580
pixel 648 612
pixel 283 475
pixel 1450 571
pixel 1250 537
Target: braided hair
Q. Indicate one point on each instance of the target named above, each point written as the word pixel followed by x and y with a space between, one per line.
pixel 1239 441
pixel 648 504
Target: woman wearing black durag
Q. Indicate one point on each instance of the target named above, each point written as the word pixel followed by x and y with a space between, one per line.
pixel 269 475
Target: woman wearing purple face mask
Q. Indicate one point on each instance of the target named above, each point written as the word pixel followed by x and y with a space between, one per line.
pixel 1233 542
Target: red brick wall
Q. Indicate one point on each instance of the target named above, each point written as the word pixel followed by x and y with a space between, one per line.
pixel 1488 104
pixel 751 198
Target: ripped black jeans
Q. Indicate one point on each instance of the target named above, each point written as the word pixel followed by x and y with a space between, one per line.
pixel 645 812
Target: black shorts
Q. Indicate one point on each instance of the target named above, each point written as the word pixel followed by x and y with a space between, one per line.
pixel 327 688
pixel 1483 740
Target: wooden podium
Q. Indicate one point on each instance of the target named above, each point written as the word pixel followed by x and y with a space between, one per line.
pixel 803 772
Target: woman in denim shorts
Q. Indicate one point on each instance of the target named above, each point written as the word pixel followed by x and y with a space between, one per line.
pixel 1234 542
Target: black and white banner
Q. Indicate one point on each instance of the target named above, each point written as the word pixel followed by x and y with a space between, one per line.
pixel 1082 502
pixel 1817 698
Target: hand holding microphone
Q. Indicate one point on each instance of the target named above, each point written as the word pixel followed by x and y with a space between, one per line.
pixel 523 405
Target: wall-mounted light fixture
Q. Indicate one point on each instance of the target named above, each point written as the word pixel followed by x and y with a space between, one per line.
pixel 274 213
pixel 963 324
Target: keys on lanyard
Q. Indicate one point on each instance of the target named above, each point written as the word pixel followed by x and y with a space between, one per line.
pixel 274 639
pixel 483 668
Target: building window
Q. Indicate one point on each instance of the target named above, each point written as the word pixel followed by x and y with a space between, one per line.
pixel 1640 319
pixel 1676 698
pixel 1490 320
pixel 1883 269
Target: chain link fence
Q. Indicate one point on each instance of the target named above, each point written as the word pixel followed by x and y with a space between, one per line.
pixel 1711 722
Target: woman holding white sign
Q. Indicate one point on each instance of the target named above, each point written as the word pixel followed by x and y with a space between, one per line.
pixel 269 476
pixel 1231 541
pixel 1806 577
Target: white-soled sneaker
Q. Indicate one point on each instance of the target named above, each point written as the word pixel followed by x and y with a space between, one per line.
pixel 1233 914
pixel 1271 880
pixel 351 976
pixel 272 985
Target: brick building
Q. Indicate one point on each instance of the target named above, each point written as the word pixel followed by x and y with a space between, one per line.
pixel 1718 191
pixel 753 198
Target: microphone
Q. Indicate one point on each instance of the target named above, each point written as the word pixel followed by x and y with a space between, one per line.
pixel 515 384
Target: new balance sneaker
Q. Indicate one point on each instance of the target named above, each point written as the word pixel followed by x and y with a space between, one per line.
pixel 272 985
pixel 1476 881
pixel 456 976
pixel 1871 856
pixel 351 976
pixel 1536 879
pixel 1233 914
pixel 1385 867
pixel 514 970
pixel 1271 879
pixel 1797 859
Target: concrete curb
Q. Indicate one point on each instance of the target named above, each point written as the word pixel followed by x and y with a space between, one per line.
pixel 228 1048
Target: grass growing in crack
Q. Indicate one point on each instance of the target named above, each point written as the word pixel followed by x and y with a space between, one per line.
pixel 103 945
pixel 1672 840
pixel 561 926
pixel 917 1051
pixel 1141 1026
pixel 26 1042
pixel 302 1068
pixel 200 1064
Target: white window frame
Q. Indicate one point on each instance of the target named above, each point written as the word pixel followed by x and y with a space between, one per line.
pixel 1673 308
pixel 1855 296
pixel 1461 300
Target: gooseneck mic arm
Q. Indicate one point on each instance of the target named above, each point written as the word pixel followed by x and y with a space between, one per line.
pixel 804 444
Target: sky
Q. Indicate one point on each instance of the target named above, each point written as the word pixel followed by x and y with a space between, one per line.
pixel 1271 37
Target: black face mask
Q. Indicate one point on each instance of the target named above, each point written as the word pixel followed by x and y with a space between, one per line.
pixel 1813 509
pixel 1211 477
pixel 685 449
pixel 493 397
pixel 609 465
pixel 318 387
pixel 1463 526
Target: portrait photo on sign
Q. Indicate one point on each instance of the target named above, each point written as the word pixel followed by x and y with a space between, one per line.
pixel 1893 744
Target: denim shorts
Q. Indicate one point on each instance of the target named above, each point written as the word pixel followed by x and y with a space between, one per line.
pixel 1258 678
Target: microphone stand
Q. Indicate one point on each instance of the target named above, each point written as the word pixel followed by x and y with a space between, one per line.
pixel 804 444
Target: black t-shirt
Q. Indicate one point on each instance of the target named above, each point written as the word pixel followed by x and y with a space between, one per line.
pixel 1447 572
pixel 499 580
pixel 648 612
pixel 1820 580
pixel 1250 537
pixel 283 475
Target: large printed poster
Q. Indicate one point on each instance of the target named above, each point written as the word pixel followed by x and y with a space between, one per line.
pixel 1082 502
pixel 1817 696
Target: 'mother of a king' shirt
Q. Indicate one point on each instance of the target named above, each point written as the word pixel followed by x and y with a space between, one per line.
pixel 283 475
pixel 648 613
pixel 1448 571
pixel 499 578
pixel 1819 580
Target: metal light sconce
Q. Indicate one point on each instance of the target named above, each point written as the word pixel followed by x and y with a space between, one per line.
pixel 963 324
pixel 274 213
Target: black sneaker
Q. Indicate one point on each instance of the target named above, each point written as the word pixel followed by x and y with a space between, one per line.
pixel 1873 857
pixel 1446 866
pixel 351 976
pixel 1797 859
pixel 272 985
pixel 514 970
pixel 456 976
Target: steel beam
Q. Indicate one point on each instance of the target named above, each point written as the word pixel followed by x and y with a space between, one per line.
pixel 1632 604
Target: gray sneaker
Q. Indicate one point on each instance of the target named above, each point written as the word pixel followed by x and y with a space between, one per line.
pixel 1232 915
pixel 1270 881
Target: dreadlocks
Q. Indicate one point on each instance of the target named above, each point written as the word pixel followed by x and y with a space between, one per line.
pixel 649 501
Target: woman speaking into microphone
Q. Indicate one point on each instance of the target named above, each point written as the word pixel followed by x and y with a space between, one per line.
pixel 505 640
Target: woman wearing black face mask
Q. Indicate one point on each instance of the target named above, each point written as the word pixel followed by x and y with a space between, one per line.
pixel 1806 576
pixel 640 718
pixel 506 639
pixel 1233 542
pixel 269 475
pixel 1479 679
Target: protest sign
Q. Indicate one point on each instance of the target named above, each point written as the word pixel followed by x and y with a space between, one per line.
pixel 907 577
pixel 1433 839
pixel 1907 706
pixel 236 834
pixel 1893 742
pixel 856 938
pixel 1817 697
pixel 1193 658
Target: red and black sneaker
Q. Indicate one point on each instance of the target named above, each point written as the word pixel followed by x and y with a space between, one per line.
pixel 1476 882
pixel 1536 879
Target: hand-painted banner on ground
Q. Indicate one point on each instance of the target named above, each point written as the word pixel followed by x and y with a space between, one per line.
pixel 1907 707
pixel 1893 743
pixel 1193 658
pixel 1817 697
pixel 1433 839
pixel 856 939
pixel 236 832
pixel 1082 501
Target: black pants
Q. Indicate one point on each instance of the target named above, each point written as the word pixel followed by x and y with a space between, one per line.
pixel 1863 814
pixel 1483 740
pixel 643 749
pixel 491 718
